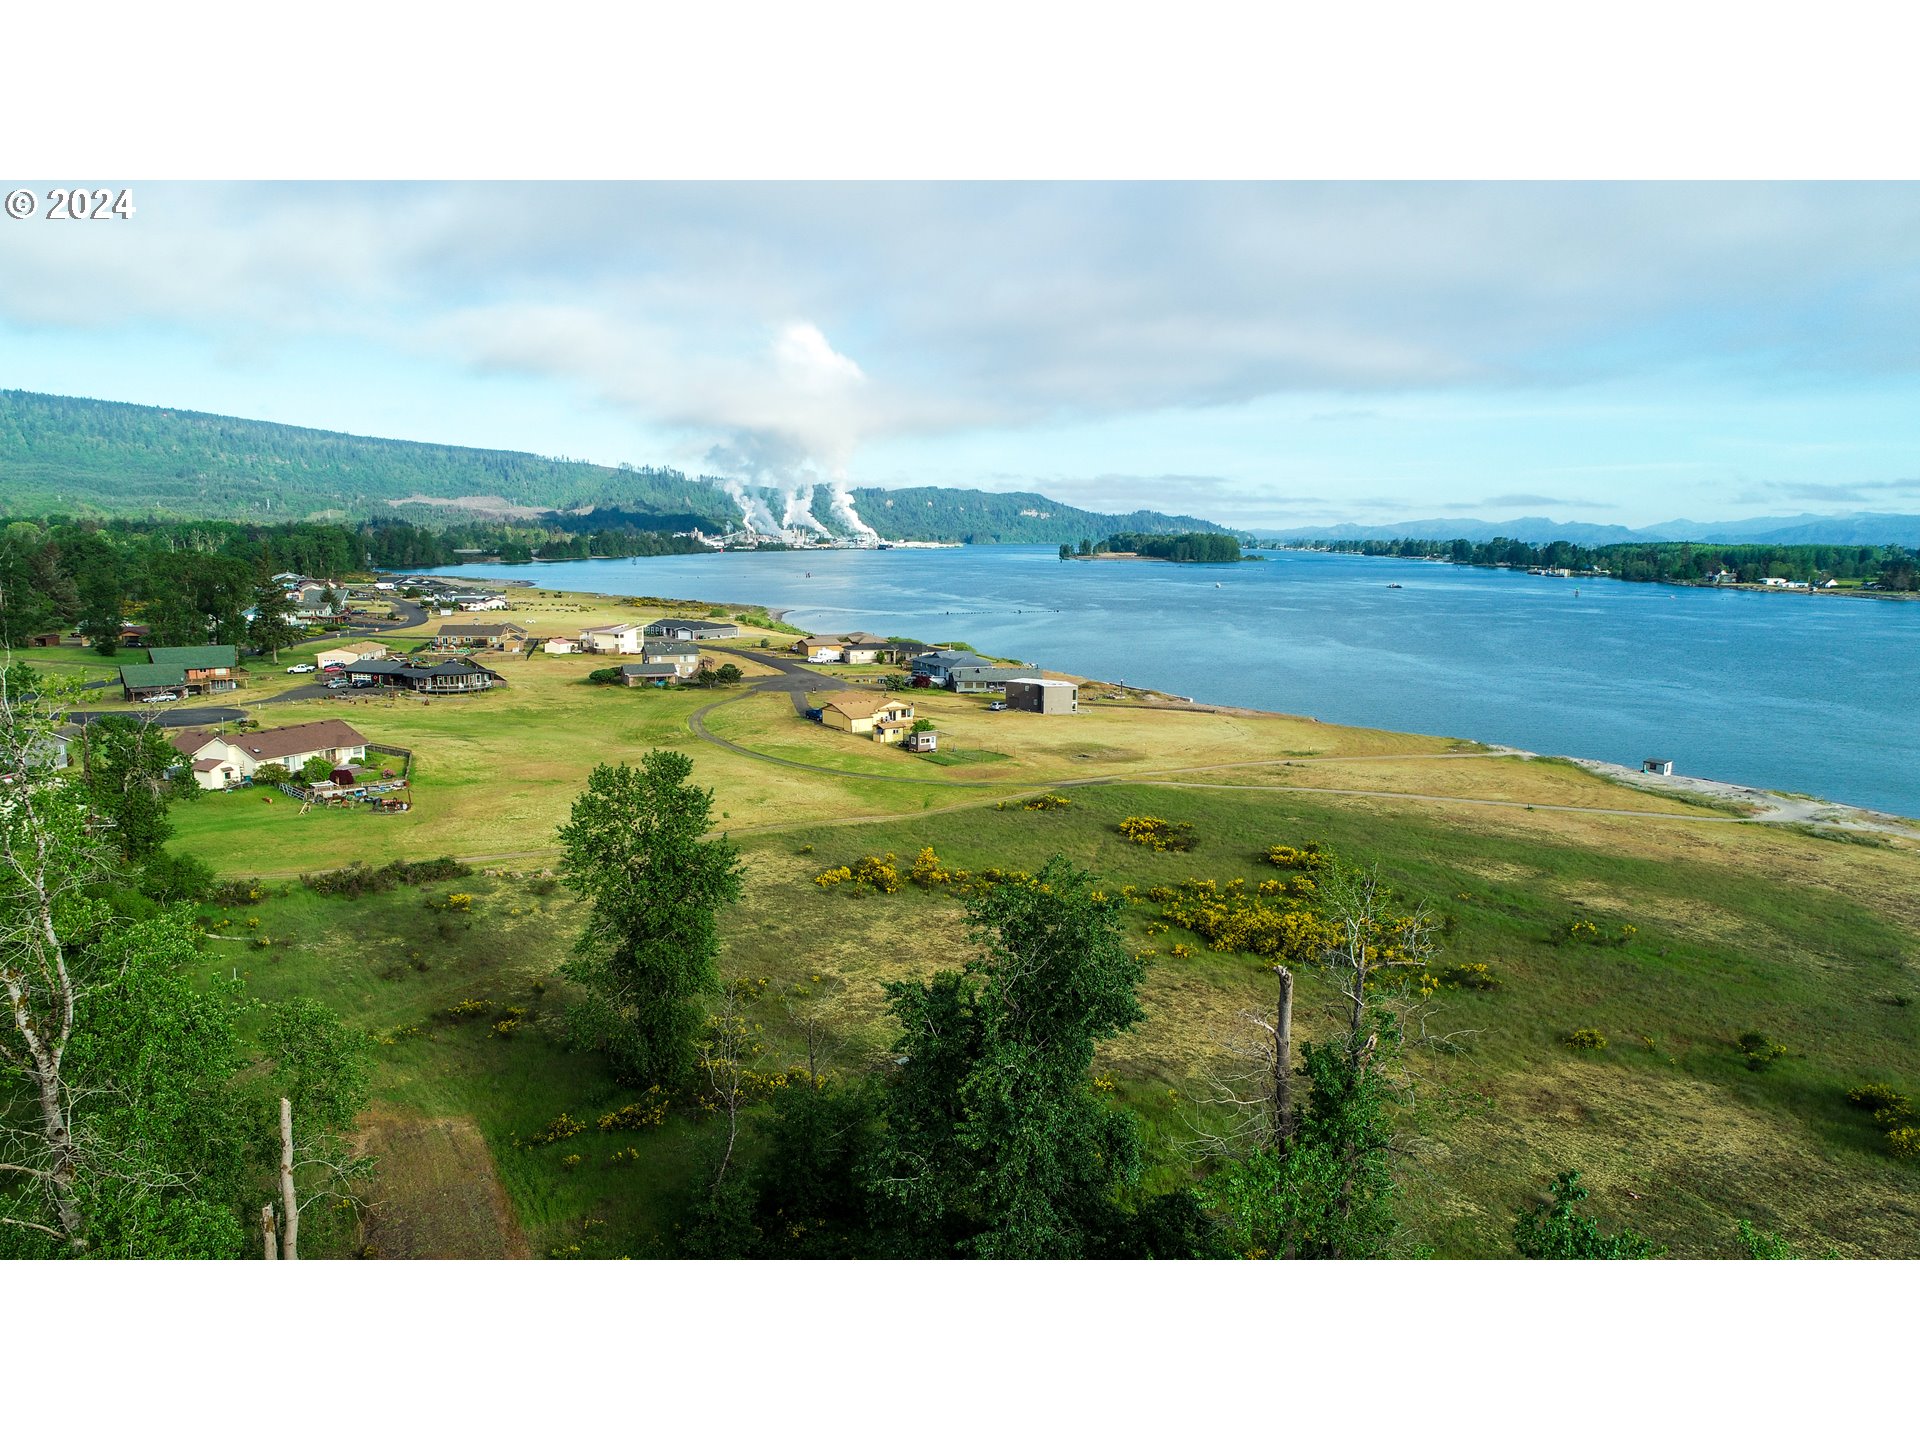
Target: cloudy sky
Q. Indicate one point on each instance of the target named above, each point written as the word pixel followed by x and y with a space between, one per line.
pixel 1258 354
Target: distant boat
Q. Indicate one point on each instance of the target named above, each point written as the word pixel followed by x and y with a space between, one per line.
pixel 1393 585
pixel 1216 584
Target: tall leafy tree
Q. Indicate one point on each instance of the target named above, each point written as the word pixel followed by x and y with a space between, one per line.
pixel 270 631
pixel 129 767
pixel 996 1144
pixel 634 849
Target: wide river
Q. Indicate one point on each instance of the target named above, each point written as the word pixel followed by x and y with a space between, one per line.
pixel 1818 694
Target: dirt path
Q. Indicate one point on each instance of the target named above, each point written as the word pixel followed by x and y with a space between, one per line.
pixel 435 1194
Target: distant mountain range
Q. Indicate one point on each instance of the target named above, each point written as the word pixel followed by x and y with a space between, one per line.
pixel 65 455
pixel 1865 528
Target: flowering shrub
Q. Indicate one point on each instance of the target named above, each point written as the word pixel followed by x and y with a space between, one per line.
pixel 562 1127
pixel 503 1029
pixel 1310 856
pixel 1875 1097
pixel 1180 952
pixel 648 1111
pixel 1587 1040
pixel 1904 1142
pixel 1228 919
pixel 1158 834
pixel 570 1162
pixel 870 870
pixel 467 1009
pixel 1048 801
pixel 1471 975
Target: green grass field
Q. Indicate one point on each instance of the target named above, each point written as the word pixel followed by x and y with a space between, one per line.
pixel 1735 928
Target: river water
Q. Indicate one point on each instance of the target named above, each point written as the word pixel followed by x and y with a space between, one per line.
pixel 1811 693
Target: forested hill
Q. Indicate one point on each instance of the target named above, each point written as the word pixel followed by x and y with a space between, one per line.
pixel 102 458
pixel 990 517
pixel 71 456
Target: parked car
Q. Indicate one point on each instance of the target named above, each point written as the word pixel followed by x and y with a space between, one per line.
pixel 997 705
pixel 163 695
pixel 334 669
pixel 339 682
pixel 301 669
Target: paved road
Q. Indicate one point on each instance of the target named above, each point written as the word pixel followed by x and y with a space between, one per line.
pixel 172 719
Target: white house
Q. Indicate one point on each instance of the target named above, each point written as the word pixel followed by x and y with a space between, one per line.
pixel 560 645
pixel 614 639
pixel 222 760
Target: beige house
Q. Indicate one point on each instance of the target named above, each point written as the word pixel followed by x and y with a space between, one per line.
pixel 614 639
pixel 507 636
pixel 886 718
pixel 823 648
pixel 220 761
pixel 353 650
pixel 561 645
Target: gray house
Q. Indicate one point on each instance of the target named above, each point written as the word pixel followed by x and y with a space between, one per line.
pixel 977 679
pixel 691 630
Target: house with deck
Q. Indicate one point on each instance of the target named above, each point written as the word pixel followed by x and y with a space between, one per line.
pixel 425 675
pixel 627 639
pixel 695 630
pixel 182 670
pixel 988 679
pixel 658 674
pixel 880 716
pixel 684 658
pixel 220 761
pixel 504 636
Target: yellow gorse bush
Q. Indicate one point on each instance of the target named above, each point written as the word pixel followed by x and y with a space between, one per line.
pixel 1157 834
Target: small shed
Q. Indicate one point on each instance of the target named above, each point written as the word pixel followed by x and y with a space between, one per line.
pixel 1657 767
pixel 340 775
pixel 922 742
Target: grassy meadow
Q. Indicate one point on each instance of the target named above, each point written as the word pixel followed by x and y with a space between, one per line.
pixel 1734 928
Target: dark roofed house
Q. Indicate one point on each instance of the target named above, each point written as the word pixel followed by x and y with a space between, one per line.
pixel 452 676
pixel 183 670
pixel 977 679
pixel 650 673
pixel 692 630
pixel 683 657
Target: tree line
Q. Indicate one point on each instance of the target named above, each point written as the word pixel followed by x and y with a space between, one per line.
pixel 1195 547
pixel 192 582
pixel 1891 567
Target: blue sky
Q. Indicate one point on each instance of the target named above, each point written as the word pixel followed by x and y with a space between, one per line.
pixel 1259 354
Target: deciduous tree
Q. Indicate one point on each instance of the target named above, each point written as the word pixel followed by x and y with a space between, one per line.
pixel 635 850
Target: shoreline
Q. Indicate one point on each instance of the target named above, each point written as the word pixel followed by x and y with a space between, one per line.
pixel 1773 807
pixel 1744 587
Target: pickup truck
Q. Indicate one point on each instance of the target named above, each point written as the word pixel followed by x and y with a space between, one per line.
pixel 301 669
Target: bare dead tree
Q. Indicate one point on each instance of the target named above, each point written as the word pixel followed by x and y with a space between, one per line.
pixel 813 1013
pixel 47 860
pixel 726 1055
pixel 289 1199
